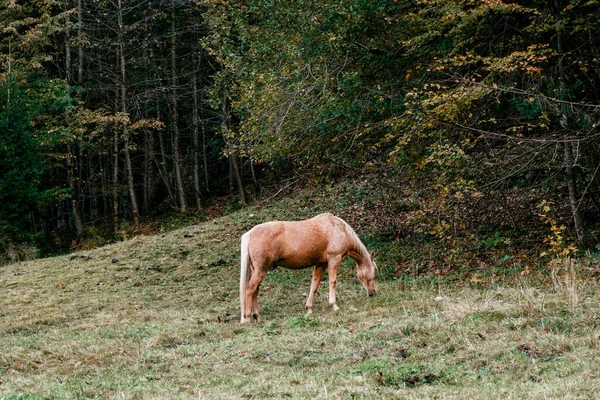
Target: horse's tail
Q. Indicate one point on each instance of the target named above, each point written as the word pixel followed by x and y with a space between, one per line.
pixel 244 271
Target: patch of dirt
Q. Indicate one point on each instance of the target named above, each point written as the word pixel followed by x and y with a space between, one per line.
pixel 530 351
pixel 415 380
pixel 401 354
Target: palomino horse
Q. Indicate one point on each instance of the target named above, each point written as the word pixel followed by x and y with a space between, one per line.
pixel 323 241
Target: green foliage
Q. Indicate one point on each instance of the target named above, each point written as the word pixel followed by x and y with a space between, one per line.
pixel 298 77
pixel 495 241
pixel 32 119
pixel 21 164
pixel 28 28
pixel 466 96
pixel 462 99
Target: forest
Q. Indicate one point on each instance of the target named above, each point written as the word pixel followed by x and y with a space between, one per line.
pixel 463 117
pixel 141 139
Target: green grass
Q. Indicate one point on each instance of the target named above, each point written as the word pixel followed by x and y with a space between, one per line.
pixel 161 321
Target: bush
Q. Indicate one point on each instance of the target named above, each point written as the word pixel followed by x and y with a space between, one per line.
pixel 11 252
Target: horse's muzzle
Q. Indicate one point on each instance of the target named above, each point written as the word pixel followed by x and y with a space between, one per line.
pixel 372 293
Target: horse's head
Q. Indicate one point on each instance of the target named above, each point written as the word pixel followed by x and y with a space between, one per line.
pixel 366 273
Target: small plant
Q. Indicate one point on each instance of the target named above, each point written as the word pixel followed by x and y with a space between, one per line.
pixel 561 252
pixel 568 284
pixel 557 241
pixel 495 241
pixel 233 206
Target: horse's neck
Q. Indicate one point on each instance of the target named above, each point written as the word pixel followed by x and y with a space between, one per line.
pixel 357 250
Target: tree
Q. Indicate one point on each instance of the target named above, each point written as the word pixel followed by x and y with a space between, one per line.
pixel 471 96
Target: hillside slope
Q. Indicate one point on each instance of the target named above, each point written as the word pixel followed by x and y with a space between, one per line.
pixel 157 317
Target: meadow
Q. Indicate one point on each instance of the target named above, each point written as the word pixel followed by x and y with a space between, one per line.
pixel 158 317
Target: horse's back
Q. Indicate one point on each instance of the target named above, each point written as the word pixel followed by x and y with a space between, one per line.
pixel 298 244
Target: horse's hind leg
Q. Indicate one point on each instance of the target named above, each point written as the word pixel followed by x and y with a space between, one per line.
pixel 254 311
pixel 251 310
pixel 318 273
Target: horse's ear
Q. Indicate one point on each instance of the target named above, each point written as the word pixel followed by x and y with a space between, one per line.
pixel 372 255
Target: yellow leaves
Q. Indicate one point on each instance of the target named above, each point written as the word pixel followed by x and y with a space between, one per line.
pixel 527 61
pixel 557 241
pixel 147 123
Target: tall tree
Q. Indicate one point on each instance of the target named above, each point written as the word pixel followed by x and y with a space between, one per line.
pixel 175 114
pixel 234 161
pixel 74 183
pixel 195 129
pixel 124 110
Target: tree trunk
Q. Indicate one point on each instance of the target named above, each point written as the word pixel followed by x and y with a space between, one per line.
pixel 573 196
pixel 130 182
pixel 233 158
pixel 73 186
pixel 149 177
pixel 129 168
pixel 230 165
pixel 204 156
pixel 9 65
pixel 164 167
pixel 104 187
pixel 115 188
pixel 68 47
pixel 148 170
pixel 93 193
pixel 80 39
pixel 195 133
pixel 74 193
pixel 568 156
pixel 176 150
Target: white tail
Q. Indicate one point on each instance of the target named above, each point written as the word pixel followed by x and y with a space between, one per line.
pixel 244 271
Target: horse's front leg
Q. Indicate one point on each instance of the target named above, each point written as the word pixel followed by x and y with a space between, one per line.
pixel 318 273
pixel 332 269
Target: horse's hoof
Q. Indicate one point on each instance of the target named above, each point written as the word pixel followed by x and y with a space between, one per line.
pixel 308 310
pixel 244 321
pixel 335 307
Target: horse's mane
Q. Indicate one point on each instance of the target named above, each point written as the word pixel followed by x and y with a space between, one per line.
pixel 355 241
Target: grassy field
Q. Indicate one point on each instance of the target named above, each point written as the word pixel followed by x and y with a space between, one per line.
pixel 158 317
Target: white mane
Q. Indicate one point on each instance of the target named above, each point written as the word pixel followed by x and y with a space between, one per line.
pixel 357 244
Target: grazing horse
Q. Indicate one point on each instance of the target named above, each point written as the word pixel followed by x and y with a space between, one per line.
pixel 323 241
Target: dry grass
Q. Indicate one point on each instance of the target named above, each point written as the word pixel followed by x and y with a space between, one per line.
pixel 157 317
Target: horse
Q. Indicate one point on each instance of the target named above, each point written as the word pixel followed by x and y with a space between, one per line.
pixel 322 241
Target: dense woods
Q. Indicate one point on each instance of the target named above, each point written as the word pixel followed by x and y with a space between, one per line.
pixel 115 111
